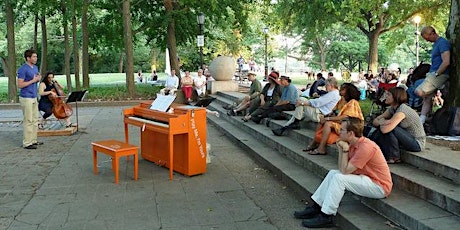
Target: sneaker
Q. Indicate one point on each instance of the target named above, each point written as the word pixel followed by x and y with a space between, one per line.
pixel 32 146
pixel 38 143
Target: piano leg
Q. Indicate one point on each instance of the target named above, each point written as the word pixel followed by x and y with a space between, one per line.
pixel 171 151
pixel 126 134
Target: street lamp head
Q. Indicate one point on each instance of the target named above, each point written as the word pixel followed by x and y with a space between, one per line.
pixel 200 18
pixel 265 30
pixel 417 19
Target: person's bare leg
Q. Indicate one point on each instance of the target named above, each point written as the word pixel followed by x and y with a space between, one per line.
pixel 324 137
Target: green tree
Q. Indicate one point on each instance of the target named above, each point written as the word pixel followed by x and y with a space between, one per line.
pixel 453 34
pixel 373 18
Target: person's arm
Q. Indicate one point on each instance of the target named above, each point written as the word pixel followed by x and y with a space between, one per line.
pixel 21 83
pixel 345 166
pixel 381 119
pixel 445 63
pixel 391 123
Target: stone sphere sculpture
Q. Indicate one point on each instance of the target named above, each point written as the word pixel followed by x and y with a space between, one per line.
pixel 222 68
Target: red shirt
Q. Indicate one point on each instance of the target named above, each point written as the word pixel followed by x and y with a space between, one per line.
pixel 368 158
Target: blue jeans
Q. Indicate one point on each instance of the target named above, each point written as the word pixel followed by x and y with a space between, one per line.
pixel 414 100
pixel 391 142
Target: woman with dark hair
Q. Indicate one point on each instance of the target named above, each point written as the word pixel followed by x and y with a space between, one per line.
pixel 44 104
pixel 270 95
pixel 329 129
pixel 399 126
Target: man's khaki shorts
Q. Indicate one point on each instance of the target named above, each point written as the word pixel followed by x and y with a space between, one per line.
pixel 432 83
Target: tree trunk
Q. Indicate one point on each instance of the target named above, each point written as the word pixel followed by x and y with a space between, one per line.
pixel 67 52
pixel 129 50
pixel 34 46
pixel 453 35
pixel 75 48
pixel 171 38
pixel 373 61
pixel 44 53
pixel 10 67
pixel 120 63
pixel 85 56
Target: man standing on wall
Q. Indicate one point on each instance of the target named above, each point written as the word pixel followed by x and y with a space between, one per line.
pixel 439 71
pixel 28 77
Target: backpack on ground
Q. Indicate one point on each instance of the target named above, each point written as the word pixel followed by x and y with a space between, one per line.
pixel 445 121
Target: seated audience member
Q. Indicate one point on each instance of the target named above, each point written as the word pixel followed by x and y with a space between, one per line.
pixel 399 126
pixel 270 95
pixel 313 109
pixel 315 90
pixel 287 101
pixel 154 76
pixel 200 83
pixel 437 99
pixel 329 129
pixel 187 86
pixel 171 84
pixel 140 76
pixel 306 91
pixel 362 170
pixel 44 104
pixel 254 92
pixel 415 78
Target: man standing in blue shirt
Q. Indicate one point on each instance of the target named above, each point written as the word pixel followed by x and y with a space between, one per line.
pixel 439 71
pixel 28 77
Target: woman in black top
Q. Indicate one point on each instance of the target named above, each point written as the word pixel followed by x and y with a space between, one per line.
pixel 44 104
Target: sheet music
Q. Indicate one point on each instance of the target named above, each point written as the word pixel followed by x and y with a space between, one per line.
pixel 162 102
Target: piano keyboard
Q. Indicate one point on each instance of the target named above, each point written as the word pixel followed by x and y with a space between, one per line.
pixel 150 122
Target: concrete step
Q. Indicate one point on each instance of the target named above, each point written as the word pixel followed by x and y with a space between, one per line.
pixel 442 193
pixel 352 214
pixel 439 160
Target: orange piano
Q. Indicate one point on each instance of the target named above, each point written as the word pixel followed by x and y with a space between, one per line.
pixel 174 140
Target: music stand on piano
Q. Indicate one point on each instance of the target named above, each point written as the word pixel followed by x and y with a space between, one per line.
pixel 76 96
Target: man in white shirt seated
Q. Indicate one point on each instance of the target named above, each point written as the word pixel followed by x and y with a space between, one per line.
pixel 200 83
pixel 312 109
pixel 171 84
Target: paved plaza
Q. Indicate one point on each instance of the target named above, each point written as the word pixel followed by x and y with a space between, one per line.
pixel 54 187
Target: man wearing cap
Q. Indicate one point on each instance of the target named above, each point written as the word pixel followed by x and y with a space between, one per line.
pixel 313 109
pixel 254 92
pixel 287 102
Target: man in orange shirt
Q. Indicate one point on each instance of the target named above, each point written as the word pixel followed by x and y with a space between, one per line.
pixel 362 171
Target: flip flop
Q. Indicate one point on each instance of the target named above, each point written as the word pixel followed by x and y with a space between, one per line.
pixel 309 149
pixel 394 161
pixel 316 152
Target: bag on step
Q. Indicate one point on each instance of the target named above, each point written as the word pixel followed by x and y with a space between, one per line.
pixel 446 121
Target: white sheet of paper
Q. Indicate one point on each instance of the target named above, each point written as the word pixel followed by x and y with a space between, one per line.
pixel 162 102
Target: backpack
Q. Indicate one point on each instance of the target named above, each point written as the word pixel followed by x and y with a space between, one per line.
pixel 446 121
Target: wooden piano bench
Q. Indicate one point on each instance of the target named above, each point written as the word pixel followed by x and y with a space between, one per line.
pixel 115 149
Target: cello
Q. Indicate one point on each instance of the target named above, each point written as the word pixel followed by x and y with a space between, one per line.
pixel 60 109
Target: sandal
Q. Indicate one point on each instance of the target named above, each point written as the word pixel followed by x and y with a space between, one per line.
pixel 317 152
pixel 245 119
pixel 40 126
pixel 309 148
pixel 71 125
pixel 394 161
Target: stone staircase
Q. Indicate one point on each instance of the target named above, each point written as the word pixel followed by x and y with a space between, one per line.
pixel 426 191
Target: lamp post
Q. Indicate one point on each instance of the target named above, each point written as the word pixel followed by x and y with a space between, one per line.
pixel 417 20
pixel 265 30
pixel 200 37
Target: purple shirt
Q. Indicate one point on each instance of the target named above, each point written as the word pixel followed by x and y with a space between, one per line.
pixel 27 73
